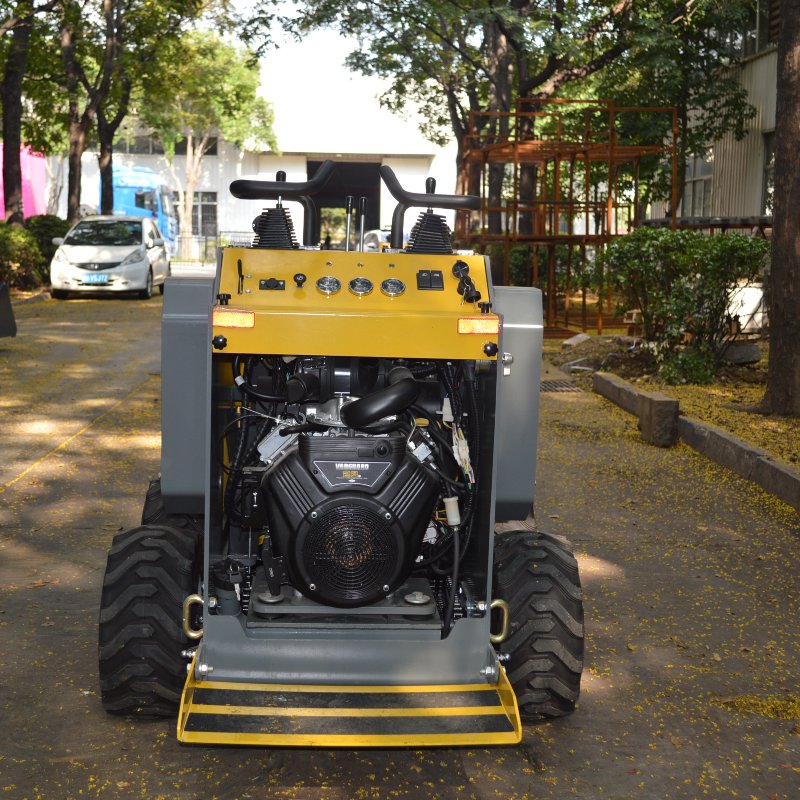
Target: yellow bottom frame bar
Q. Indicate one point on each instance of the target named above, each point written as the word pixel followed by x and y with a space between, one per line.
pixel 299 715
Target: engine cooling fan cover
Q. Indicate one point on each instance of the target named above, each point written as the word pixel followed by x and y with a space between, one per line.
pixel 350 554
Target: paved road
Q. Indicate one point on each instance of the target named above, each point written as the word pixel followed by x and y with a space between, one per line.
pixel 691 582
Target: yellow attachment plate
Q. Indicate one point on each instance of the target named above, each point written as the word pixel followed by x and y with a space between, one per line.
pixel 414 322
pixel 348 716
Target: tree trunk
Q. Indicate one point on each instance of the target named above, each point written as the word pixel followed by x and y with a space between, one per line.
pixel 106 163
pixel 783 378
pixel 77 144
pixel 11 92
pixel 106 131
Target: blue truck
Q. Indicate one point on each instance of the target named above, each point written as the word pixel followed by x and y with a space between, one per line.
pixel 140 192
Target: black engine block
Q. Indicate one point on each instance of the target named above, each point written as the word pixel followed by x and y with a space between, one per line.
pixel 349 513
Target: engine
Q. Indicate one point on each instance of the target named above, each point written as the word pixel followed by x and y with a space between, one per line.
pixel 344 478
pixel 349 513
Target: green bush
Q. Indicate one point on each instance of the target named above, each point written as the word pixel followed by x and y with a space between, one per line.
pixel 21 261
pixel 45 228
pixel 682 282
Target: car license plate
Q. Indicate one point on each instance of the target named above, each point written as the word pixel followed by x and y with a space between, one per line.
pixel 97 277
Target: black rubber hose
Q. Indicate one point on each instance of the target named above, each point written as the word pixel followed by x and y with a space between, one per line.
pixel 245 388
pixel 393 399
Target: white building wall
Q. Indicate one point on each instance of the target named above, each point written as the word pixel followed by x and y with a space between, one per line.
pixel 235 215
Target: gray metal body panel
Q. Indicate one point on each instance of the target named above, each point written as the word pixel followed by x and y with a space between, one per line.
pixel 517 422
pixel 345 656
pixel 185 386
pixel 340 653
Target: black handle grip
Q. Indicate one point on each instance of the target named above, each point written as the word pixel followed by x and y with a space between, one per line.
pixel 272 190
pixel 302 192
pixel 406 200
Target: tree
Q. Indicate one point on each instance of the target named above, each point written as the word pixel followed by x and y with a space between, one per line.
pixel 138 54
pixel 18 25
pixel 211 91
pixel 451 58
pixel 685 64
pixel 783 376
pixel 88 74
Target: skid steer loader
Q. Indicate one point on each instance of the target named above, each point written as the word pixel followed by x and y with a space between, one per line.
pixel 317 563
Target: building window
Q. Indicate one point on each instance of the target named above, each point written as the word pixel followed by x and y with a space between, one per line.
pixel 180 147
pixel 141 144
pixel 204 213
pixel 762 28
pixel 697 188
pixel 768 184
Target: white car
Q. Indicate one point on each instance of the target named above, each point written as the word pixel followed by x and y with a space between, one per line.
pixel 375 241
pixel 110 254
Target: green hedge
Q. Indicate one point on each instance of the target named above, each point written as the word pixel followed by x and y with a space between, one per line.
pixel 21 260
pixel 26 252
pixel 682 282
pixel 45 228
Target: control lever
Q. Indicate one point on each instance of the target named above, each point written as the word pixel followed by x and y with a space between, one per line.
pixel 362 219
pixel 408 200
pixel 348 210
pixel 280 190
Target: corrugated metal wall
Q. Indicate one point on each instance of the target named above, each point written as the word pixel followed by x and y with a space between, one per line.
pixel 738 176
pixel 739 166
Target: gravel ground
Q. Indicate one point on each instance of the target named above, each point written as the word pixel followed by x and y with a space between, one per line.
pixel 691 594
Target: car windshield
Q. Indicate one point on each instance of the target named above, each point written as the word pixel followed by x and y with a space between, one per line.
pixel 112 233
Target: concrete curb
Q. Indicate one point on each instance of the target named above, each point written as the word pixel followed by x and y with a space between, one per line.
pixel 658 414
pixel 751 462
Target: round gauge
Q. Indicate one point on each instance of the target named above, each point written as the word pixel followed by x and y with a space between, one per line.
pixel 361 286
pixel 328 284
pixel 393 287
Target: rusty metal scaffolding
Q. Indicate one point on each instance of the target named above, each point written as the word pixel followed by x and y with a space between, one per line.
pixel 549 175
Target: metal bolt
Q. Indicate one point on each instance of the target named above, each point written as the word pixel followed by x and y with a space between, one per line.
pixel 312 587
pixel 314 515
pixel 387 515
pixel 248 291
pixel 481 606
pixel 204 669
pixel 212 602
pixel 486 671
pixel 386 587
pixel 188 653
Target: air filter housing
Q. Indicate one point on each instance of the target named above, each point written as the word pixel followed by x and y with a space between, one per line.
pixel 349 515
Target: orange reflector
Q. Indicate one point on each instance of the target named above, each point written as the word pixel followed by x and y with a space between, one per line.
pixel 484 325
pixel 224 317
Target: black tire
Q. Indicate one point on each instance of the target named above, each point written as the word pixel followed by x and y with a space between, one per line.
pixel 58 294
pixel 147 292
pixel 537 575
pixel 154 513
pixel 150 571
